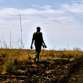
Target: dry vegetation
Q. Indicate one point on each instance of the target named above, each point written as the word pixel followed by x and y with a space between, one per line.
pixel 17 65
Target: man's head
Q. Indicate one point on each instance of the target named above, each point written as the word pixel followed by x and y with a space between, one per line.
pixel 38 29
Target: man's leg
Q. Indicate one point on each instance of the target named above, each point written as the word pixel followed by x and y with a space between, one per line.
pixel 37 56
pixel 38 49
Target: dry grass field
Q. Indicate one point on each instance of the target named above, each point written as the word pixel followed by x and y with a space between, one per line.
pixel 18 66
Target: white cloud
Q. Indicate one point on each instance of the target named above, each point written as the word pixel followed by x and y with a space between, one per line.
pixel 58 25
pixel 74 8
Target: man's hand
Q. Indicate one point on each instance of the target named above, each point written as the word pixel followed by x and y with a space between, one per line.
pixel 44 46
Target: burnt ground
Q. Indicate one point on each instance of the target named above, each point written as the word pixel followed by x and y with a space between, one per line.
pixel 45 71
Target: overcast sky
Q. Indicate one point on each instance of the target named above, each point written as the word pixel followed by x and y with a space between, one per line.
pixel 61 22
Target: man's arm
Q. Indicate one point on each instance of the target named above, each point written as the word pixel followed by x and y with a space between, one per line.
pixel 32 42
pixel 43 43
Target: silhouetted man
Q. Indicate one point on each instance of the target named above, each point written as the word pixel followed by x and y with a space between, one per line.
pixel 38 41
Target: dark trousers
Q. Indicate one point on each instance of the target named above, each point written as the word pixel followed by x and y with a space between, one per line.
pixel 38 50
